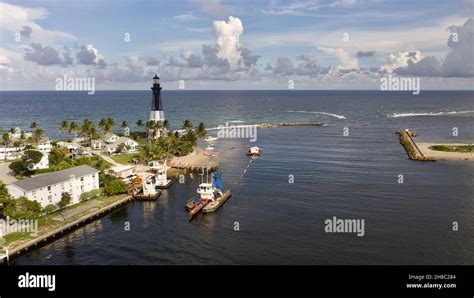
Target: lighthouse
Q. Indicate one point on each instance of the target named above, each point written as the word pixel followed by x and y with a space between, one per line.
pixel 156 113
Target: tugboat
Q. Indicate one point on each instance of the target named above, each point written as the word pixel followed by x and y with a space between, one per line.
pixel 254 151
pixel 208 193
pixel 144 189
pixel 219 196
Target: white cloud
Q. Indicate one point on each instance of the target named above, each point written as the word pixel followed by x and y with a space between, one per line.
pixel 345 59
pixel 400 60
pixel 187 17
pixel 228 39
pixel 14 18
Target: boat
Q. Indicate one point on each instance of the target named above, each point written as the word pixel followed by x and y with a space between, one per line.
pixel 210 148
pixel 206 193
pixel 211 139
pixel 254 151
pixel 145 189
pixel 160 179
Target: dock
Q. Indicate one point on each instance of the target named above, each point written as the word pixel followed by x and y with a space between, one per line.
pixel 282 124
pixel 414 153
pixel 210 166
pixel 56 233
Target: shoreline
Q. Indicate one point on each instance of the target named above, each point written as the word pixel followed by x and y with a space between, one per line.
pixel 443 155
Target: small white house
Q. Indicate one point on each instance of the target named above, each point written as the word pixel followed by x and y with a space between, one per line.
pixel 10 153
pixel 69 146
pixel 43 163
pixel 48 188
pixel 109 138
pixel 132 146
pixel 44 146
pixel 97 144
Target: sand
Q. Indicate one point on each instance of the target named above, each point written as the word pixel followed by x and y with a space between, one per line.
pixel 441 155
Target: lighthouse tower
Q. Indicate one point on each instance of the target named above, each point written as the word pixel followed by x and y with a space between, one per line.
pixel 156 113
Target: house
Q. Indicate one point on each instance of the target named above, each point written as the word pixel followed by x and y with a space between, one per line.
pixel 43 163
pixel 123 171
pixel 109 138
pixel 11 153
pixel 44 146
pixel 131 145
pixel 97 144
pixel 48 188
pixel 69 146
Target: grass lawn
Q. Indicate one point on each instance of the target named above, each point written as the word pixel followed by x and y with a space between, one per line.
pixel 48 223
pixel 125 158
pixel 461 148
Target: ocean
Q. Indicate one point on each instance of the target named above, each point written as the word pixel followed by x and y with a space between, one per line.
pixel 353 176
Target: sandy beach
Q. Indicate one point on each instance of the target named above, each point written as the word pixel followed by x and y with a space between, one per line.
pixel 441 155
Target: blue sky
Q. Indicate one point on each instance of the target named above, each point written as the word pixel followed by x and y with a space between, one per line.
pixel 338 44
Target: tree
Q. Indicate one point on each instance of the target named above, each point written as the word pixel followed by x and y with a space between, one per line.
pixel 201 130
pixel 139 123
pixel 22 208
pixel 65 200
pixel 166 124
pixel 124 124
pixel 6 141
pixel 56 156
pixel 33 125
pixel 74 128
pixel 19 167
pixel 64 126
pixel 32 157
pixel 115 187
pixel 37 135
pixel 187 125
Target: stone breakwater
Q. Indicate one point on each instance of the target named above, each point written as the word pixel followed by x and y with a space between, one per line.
pixel 414 153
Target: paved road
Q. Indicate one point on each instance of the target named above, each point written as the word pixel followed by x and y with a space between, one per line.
pixel 5 174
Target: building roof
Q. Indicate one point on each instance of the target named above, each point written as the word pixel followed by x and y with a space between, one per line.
pixel 53 178
pixel 121 140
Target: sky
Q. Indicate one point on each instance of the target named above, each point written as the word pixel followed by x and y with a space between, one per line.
pixel 213 44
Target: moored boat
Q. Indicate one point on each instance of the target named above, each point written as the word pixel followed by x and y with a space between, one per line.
pixel 254 151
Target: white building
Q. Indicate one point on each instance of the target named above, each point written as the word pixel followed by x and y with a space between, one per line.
pixel 11 152
pixel 131 145
pixel 43 163
pixel 48 188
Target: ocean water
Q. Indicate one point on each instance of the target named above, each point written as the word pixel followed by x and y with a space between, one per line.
pixel 352 176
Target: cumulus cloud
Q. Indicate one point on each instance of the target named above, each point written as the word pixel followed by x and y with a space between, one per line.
pixel 191 59
pixel 43 55
pixel 152 61
pixel 88 55
pixel 248 58
pixel 15 18
pixel 308 66
pixel 284 66
pixel 26 31
pixel 400 60
pixel 345 59
pixel 460 61
pixel 228 39
pixel 361 54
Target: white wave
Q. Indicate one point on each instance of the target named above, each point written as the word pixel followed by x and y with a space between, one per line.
pixel 398 115
pixel 320 113
pixel 237 121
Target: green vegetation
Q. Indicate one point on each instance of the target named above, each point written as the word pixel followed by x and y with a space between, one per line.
pixel 453 148
pixel 21 208
pixel 90 194
pixel 111 185
pixel 23 167
pixel 65 200
pixel 126 158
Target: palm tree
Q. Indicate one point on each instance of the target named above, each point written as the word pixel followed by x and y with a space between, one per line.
pixel 166 124
pixel 140 123
pixel 124 124
pixel 74 128
pixel 187 124
pixel 201 130
pixel 38 134
pixel 6 140
pixel 64 126
pixel 33 125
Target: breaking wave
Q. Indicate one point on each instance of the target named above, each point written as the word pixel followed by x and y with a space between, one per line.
pixel 320 113
pixel 398 115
